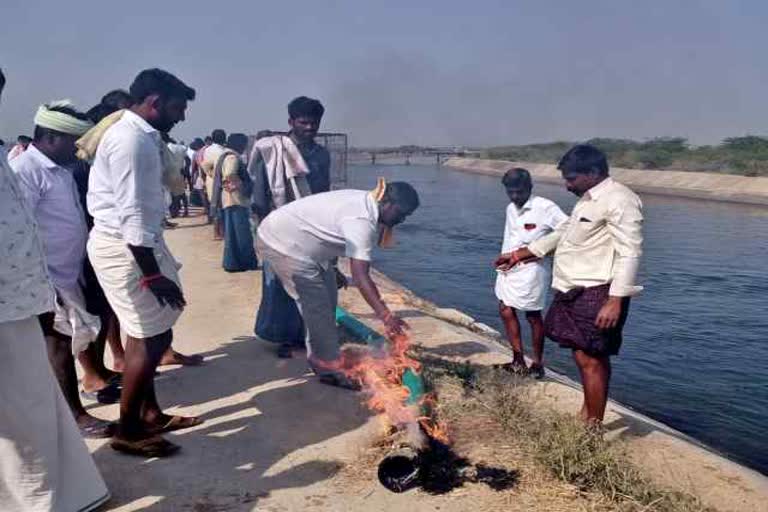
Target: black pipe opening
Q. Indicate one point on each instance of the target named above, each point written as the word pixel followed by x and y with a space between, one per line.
pixel 398 473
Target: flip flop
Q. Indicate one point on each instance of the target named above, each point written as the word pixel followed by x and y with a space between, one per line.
pixel 339 381
pixel 193 360
pixel 515 369
pixel 110 394
pixel 154 446
pixel 98 429
pixel 178 423
pixel 536 371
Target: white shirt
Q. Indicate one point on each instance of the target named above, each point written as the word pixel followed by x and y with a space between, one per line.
pixel 125 188
pixel 322 227
pixel 25 288
pixel 208 164
pixel 524 287
pixel 51 195
pixel 537 217
pixel 600 243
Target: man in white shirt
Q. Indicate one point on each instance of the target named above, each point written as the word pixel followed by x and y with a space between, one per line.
pixel 524 287
pixel 132 262
pixel 301 242
pixel 208 165
pixel 51 194
pixel 597 254
pixel 45 463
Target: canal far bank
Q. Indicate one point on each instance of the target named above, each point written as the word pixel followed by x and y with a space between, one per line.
pixel 697 185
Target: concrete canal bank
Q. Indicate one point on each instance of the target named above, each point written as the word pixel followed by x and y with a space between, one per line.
pixel 667 456
pixel 275 439
pixel 698 185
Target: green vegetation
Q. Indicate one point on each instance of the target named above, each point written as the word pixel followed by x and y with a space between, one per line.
pixel 558 443
pixel 747 155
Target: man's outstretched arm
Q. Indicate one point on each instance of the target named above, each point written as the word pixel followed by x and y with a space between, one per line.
pixel 362 277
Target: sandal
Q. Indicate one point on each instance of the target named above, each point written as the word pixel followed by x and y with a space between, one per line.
pixel 176 423
pixel 154 446
pixel 515 369
pixel 98 429
pixel 184 360
pixel 340 381
pixel 536 371
pixel 109 394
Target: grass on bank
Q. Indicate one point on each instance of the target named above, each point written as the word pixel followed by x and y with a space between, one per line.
pixel 747 155
pixel 557 442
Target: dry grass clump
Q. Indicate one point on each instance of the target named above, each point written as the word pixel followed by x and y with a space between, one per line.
pixel 557 442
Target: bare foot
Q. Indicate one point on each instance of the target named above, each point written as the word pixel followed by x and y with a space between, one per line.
pixel 95 382
pixel 172 357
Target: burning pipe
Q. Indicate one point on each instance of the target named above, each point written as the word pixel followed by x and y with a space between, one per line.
pixel 400 469
pixel 411 379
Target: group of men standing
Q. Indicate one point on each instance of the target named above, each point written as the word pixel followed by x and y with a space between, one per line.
pixel 84 258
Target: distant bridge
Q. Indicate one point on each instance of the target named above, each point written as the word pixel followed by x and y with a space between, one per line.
pixel 408 154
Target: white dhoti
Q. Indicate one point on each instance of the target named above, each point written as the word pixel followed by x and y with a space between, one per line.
pixel 44 463
pixel 137 309
pixel 524 287
pixel 73 319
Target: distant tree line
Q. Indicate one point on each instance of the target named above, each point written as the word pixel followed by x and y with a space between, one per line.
pixel 735 155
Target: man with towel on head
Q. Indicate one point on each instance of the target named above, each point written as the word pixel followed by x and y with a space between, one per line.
pixel 302 241
pixel 45 176
pixel 44 464
pixel 132 262
pixel 285 168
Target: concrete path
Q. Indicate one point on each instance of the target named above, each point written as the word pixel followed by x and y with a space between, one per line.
pixel 269 427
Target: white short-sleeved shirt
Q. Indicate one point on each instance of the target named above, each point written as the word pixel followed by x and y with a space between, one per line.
pixel 537 217
pixel 322 227
pixel 524 287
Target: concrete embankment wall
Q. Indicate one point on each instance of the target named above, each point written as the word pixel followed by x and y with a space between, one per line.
pixel 699 185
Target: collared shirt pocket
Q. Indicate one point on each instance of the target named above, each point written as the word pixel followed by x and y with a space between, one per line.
pixel 580 232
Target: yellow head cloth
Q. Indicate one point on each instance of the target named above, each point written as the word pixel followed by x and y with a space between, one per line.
pixel 61 121
pixel 386 234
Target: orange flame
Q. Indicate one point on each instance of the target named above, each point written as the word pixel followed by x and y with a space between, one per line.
pixel 380 373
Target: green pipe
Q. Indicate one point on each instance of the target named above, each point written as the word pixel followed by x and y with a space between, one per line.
pixel 411 380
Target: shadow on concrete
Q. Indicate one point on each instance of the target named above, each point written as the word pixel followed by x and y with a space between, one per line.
pixel 627 428
pixel 258 411
pixel 460 349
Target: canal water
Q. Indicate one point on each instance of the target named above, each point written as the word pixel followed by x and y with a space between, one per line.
pixel 695 354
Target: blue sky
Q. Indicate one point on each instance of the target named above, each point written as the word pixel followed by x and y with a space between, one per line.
pixel 452 73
